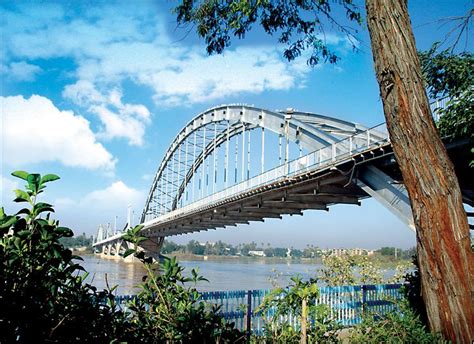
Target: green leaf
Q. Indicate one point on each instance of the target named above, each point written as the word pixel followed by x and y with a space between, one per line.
pixel 41 207
pixel 128 252
pixel 8 221
pixel 23 234
pixel 21 174
pixel 21 196
pixel 25 211
pixel 2 213
pixel 64 231
pixel 33 180
pixel 49 178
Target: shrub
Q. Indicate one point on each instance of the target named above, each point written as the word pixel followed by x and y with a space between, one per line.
pixel 298 300
pixel 43 298
pixel 168 309
pixel 400 326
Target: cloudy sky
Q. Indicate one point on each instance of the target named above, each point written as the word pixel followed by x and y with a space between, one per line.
pixel 96 93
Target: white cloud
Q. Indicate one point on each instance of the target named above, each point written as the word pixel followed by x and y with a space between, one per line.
pixel 34 130
pixel 111 44
pixel 116 196
pixel 118 119
pixel 133 46
pixel 20 71
pixel 101 207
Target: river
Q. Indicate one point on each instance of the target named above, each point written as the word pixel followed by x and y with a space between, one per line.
pixel 222 274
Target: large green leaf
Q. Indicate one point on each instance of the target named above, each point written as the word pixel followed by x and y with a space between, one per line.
pixel 7 221
pixel 42 207
pixel 33 180
pixel 49 178
pixel 64 231
pixel 21 196
pixel 21 174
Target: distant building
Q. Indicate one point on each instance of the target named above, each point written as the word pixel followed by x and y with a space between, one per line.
pixel 257 253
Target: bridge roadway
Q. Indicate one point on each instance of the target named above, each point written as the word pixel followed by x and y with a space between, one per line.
pixel 344 172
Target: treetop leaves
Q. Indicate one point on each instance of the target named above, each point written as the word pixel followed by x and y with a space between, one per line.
pixel 299 24
pixel 20 174
pixel 49 178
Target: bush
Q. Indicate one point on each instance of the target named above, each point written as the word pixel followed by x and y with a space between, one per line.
pixel 167 310
pixel 299 301
pixel 400 326
pixel 42 296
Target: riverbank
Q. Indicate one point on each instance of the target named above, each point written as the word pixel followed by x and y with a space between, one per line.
pixel 271 260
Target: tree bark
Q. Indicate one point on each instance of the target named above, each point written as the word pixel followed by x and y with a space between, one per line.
pixel 304 320
pixel 443 239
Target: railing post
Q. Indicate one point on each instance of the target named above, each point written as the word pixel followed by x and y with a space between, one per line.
pixel 249 314
pixel 364 299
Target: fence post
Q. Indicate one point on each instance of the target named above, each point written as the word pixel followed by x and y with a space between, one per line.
pixel 364 299
pixel 249 314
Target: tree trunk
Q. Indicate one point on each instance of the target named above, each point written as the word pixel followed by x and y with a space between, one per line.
pixel 443 240
pixel 304 320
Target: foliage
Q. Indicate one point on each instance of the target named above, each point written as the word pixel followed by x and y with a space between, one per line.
pixel 299 300
pixel 194 247
pixel 275 252
pixel 168 310
pixel 401 270
pixel 343 270
pixel 399 326
pixel 412 291
pixel 298 24
pixel 77 241
pixel 451 76
pixel 338 270
pixel 170 246
pixel 43 298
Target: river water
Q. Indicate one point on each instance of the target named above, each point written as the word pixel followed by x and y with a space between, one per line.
pixel 222 274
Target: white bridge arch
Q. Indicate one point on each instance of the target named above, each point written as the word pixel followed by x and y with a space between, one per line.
pixel 215 128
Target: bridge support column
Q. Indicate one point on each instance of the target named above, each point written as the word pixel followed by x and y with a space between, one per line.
pixel 385 190
pixel 152 247
pixel 118 247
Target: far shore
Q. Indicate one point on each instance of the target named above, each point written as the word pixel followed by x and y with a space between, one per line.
pixel 383 263
pixel 190 256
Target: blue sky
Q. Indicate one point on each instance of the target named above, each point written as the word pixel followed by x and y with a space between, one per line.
pixel 96 93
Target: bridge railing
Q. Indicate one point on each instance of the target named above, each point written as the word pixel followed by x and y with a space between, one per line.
pixel 315 160
pixel 347 304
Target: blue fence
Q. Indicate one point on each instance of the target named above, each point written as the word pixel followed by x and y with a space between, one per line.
pixel 347 304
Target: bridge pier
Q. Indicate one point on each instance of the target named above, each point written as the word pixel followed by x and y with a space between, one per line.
pixel 115 249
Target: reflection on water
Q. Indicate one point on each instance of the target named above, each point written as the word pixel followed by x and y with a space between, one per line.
pixel 222 274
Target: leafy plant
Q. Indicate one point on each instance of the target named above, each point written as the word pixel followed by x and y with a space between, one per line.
pixel 399 326
pixel 167 309
pixel 298 301
pixel 451 77
pixel 43 297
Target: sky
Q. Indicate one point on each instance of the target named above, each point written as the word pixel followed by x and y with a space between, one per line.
pixel 96 92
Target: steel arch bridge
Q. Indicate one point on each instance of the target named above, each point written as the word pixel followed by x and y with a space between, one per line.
pixel 233 164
